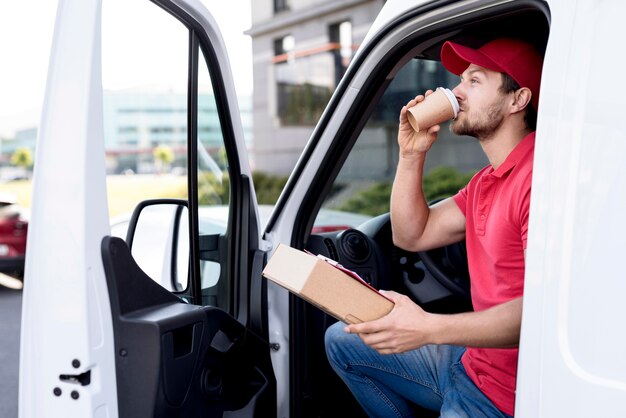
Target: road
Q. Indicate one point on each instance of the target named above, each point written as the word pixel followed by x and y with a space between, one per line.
pixel 10 317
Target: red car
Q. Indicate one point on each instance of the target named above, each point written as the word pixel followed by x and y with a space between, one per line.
pixel 13 228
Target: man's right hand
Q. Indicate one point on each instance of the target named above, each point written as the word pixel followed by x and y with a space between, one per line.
pixel 405 328
pixel 416 226
pixel 415 143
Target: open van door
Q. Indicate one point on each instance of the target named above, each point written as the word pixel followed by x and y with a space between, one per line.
pixel 101 335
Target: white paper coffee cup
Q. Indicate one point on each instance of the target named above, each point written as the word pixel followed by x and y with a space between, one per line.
pixel 436 108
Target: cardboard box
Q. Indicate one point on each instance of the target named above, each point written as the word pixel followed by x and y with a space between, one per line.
pixel 337 291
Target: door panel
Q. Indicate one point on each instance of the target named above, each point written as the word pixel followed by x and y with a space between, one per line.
pixel 201 358
pixel 175 359
pixel 117 343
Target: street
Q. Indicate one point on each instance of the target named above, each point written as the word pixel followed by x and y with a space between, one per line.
pixel 10 312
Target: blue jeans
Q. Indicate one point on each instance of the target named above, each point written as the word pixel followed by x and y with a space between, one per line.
pixel 386 385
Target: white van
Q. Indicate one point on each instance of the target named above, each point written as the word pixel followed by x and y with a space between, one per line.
pixel 100 338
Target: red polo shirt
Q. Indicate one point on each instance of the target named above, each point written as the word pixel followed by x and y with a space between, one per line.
pixel 496 205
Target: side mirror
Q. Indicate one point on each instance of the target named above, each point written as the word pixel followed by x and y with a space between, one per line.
pixel 158 237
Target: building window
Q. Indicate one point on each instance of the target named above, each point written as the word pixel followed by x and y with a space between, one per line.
pixel 127 130
pixel 304 82
pixel 283 46
pixel 340 37
pixel 282 5
pixel 415 78
pixel 366 176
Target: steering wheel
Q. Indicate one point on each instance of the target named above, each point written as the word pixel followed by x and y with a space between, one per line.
pixel 361 250
pixel 449 266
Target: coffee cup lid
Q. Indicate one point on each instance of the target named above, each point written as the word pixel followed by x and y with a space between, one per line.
pixel 452 98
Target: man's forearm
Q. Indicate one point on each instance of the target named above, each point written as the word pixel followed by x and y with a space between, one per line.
pixel 409 210
pixel 496 327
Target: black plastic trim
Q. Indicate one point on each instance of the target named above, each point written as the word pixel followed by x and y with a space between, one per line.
pixel 174 359
pixel 132 225
pixel 223 106
pixel 241 295
pixel 192 168
pixel 174 258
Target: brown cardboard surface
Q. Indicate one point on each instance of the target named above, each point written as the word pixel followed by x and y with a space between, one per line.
pixel 325 286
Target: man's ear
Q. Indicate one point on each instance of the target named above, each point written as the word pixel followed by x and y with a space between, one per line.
pixel 521 99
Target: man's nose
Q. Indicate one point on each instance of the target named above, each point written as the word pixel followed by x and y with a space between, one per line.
pixel 458 92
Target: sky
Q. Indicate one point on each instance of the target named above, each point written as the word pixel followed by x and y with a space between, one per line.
pixel 26 29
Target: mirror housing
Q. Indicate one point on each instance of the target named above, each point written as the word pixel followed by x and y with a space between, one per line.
pixel 158 237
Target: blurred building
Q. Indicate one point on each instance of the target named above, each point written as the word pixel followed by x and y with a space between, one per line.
pixel 137 121
pixel 301 49
pixel 24 138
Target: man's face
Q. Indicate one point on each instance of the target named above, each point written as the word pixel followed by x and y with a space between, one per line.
pixel 481 103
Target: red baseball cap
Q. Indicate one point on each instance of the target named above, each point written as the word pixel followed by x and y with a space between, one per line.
pixel 514 57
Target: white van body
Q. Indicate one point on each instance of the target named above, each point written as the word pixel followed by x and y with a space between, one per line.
pixel 571 352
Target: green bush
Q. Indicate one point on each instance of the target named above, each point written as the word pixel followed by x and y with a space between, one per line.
pixel 372 201
pixel 441 182
pixel 444 182
pixel 213 192
pixel 268 187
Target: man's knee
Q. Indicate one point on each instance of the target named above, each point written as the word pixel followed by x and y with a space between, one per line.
pixel 332 339
pixel 339 344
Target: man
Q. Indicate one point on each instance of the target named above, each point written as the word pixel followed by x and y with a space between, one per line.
pixel 462 364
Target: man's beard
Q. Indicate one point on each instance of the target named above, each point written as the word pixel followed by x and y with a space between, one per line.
pixel 483 126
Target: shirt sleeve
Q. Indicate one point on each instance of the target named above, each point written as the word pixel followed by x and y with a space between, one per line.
pixel 461 199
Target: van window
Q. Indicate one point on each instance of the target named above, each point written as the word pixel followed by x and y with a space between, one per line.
pixel 363 185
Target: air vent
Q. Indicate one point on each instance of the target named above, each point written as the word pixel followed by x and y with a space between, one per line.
pixel 355 245
pixel 332 250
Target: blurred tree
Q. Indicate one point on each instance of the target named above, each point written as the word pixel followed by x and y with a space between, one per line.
pixel 163 156
pixel 22 157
